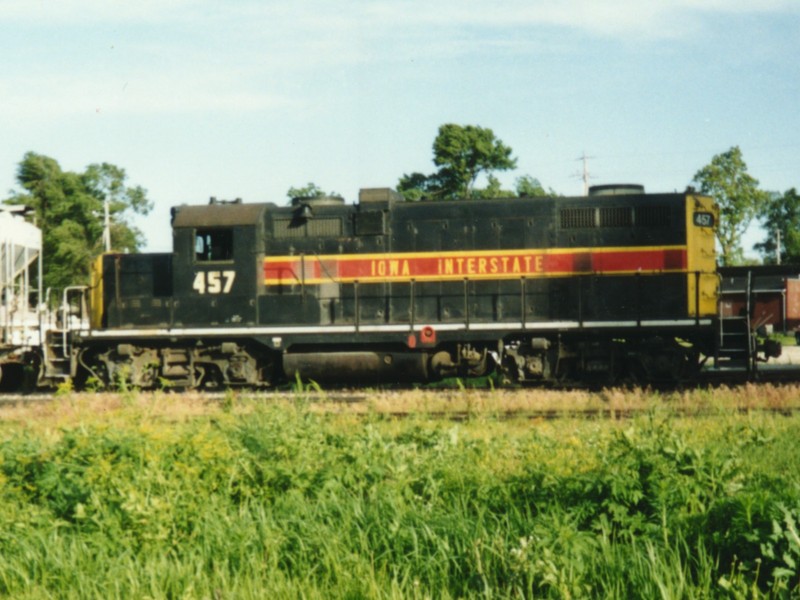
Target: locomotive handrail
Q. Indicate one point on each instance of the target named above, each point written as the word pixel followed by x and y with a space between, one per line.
pixel 356 306
pixel 66 316
pixel 697 298
pixel 638 304
pixel 325 269
pixel 412 308
pixel 638 279
pixel 303 275
pixel 466 302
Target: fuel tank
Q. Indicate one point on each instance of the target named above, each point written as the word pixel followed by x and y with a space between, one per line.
pixel 358 367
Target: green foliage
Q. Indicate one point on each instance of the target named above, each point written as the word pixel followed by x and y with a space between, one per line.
pixel 493 189
pixel 286 503
pixel 463 153
pixel 781 214
pixel 65 387
pixel 736 192
pixel 530 187
pixel 69 210
pixel 416 186
pixel 782 551
pixel 310 190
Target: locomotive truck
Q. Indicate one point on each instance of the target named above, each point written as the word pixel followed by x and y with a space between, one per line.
pixel 616 286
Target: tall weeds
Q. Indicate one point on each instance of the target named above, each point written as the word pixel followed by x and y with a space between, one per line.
pixel 285 502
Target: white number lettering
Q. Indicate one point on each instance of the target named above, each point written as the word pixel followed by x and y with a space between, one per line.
pixel 229 276
pixel 213 282
pixel 703 219
pixel 199 283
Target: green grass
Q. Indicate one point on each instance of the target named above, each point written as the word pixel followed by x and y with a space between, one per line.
pixel 278 501
pixel 785 340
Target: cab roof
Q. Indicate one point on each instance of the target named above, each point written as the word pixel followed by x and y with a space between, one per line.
pixel 218 215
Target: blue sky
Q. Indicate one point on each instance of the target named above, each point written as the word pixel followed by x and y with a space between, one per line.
pixel 248 98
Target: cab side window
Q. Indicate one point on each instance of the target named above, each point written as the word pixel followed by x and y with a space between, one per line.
pixel 213 245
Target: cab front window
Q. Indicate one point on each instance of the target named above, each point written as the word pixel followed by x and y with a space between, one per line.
pixel 213 245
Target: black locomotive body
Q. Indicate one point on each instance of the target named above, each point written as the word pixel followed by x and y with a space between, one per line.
pixel 597 288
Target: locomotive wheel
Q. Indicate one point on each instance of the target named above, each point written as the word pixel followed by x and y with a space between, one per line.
pixel 662 361
pixel 209 377
pixel 92 374
pixel 12 377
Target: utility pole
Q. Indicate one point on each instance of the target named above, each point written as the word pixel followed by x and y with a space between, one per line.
pixel 106 225
pixel 584 173
pixel 778 246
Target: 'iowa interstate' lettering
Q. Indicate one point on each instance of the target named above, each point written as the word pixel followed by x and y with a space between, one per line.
pixel 444 266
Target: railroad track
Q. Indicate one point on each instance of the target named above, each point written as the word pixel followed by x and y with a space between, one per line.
pixel 593 414
pixel 451 404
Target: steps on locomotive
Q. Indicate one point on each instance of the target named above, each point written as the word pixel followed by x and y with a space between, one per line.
pixel 735 342
pixel 735 345
pixel 56 355
pixel 71 314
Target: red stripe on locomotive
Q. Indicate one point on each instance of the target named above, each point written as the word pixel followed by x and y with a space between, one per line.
pixel 478 265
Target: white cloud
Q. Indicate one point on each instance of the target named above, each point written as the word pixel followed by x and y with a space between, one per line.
pixel 199 55
pixel 342 16
pixel 89 11
pixel 606 17
pixel 60 96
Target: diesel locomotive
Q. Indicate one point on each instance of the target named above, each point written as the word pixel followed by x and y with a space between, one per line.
pixel 616 286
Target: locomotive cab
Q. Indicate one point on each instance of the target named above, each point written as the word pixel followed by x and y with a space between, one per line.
pixel 217 253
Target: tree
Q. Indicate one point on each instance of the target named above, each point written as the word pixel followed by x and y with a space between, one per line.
pixel 736 192
pixel 781 215
pixel 462 153
pixel 69 211
pixel 310 190
pixel 416 186
pixel 106 182
pixel 530 187
pixel 493 189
